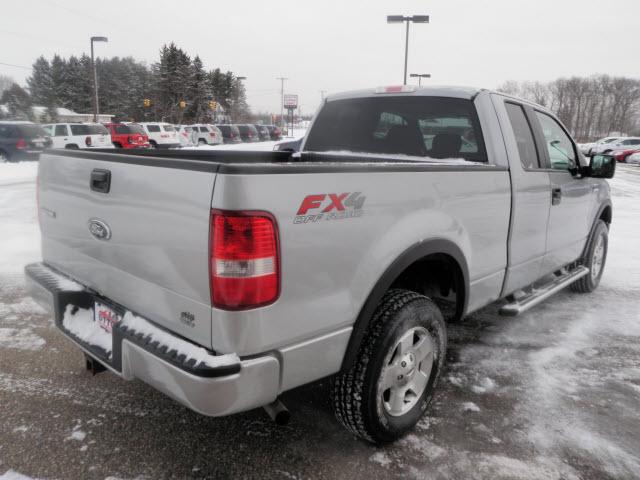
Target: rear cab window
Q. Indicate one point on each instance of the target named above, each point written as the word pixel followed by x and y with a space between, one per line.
pixel 441 128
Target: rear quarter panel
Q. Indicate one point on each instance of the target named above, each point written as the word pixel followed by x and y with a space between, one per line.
pixel 329 267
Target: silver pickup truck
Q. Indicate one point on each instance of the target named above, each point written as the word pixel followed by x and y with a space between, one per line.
pixel 225 278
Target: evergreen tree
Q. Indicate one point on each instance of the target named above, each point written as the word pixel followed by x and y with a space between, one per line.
pixel 199 94
pixel 18 102
pixel 41 88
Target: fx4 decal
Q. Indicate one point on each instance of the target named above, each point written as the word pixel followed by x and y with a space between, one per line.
pixel 330 206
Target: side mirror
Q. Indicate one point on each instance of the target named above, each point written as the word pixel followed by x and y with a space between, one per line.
pixel 602 166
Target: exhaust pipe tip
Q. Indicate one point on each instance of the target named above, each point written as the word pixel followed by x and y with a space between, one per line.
pixel 278 412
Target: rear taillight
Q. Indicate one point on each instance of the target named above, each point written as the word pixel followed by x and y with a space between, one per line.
pixel 87 141
pixel 244 259
pixel 21 144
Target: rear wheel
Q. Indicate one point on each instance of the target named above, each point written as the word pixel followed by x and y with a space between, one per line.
pixel 594 260
pixel 153 144
pixel 389 387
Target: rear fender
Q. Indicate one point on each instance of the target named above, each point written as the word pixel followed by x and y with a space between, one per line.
pixel 393 271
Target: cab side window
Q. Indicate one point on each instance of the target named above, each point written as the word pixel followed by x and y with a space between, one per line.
pixel 524 136
pixel 562 153
pixel 60 131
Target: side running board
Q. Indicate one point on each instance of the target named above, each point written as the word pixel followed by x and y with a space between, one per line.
pixel 537 295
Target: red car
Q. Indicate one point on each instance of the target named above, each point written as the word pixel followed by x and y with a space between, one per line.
pixel 621 155
pixel 128 135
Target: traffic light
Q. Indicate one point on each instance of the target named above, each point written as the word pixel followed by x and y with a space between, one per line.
pixel 182 104
pixel 146 102
pixel 213 105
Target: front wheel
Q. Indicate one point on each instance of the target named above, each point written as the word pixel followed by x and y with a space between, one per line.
pixel 594 260
pixel 389 387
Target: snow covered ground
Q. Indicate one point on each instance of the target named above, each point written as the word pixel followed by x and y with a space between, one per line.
pixel 551 394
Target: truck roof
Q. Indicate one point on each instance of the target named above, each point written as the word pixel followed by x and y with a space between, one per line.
pixel 429 91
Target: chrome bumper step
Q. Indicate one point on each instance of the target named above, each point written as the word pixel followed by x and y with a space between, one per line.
pixel 537 295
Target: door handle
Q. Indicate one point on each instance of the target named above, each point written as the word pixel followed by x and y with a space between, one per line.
pixel 100 180
pixel 556 196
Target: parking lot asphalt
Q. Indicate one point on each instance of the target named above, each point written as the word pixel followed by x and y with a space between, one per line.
pixel 551 394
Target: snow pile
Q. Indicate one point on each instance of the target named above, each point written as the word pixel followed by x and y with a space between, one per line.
pixel 80 322
pixel 182 347
pixel 19 172
pixel 20 339
pixel 13 475
pixel 470 407
pixel 381 458
pixel 20 235
pixel 77 435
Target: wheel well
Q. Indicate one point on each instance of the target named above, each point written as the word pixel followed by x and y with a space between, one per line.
pixel 436 268
pixel 117 144
pixel 605 216
pixel 439 277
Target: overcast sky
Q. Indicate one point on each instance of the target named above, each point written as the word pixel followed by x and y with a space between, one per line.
pixel 338 45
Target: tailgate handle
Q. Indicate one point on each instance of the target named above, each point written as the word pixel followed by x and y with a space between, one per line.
pixel 100 180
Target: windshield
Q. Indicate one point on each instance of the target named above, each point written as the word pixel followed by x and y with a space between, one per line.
pixel 435 127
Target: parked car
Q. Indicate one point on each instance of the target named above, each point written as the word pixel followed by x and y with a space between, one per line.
pixel 161 135
pixel 274 132
pixel 623 144
pixel 78 135
pixel 346 263
pixel 634 158
pixel 620 143
pixel 128 135
pixel 263 132
pixel 22 141
pixel 597 145
pixel 208 134
pixel 187 135
pixel 248 133
pixel 230 133
pixel 621 155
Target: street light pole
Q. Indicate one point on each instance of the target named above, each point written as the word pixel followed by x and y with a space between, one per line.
pixel 95 77
pixel 282 79
pixel 420 76
pixel 407 20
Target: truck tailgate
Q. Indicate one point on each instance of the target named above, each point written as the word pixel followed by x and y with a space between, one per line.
pixel 142 244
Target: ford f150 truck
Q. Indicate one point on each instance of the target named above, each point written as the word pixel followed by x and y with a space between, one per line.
pixel 225 278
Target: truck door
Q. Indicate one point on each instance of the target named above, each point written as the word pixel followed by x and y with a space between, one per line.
pixel 569 215
pixel 530 195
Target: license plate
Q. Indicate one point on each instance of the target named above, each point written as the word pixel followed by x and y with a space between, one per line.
pixel 105 317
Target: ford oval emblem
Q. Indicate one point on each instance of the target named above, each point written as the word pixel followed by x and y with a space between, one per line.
pixel 99 229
